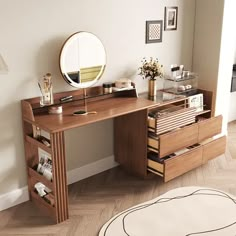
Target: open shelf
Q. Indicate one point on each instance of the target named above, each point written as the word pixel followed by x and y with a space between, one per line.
pixel 202 112
pixel 40 178
pixel 37 143
pixel 42 204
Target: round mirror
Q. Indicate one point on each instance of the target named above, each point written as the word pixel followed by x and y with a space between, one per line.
pixel 82 59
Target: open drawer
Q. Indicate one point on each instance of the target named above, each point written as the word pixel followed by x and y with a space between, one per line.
pixel 177 139
pixel 186 136
pixel 169 119
pixel 177 165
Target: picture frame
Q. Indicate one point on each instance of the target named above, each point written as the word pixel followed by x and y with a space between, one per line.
pixel 154 31
pixel 171 18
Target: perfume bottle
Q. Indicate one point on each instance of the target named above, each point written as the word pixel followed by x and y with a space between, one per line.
pixel 45 85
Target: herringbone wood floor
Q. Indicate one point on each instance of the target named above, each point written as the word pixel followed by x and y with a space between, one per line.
pixel 96 199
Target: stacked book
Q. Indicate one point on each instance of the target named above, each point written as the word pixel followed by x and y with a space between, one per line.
pixel 169 119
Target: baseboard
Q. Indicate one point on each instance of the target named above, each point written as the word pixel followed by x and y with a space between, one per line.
pixel 18 196
pixel 13 198
pixel 90 169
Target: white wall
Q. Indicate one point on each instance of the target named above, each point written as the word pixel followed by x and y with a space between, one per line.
pixel 232 103
pixel 32 33
pixel 224 103
pixel 232 107
pixel 206 53
pixel 235 52
pixel 213 54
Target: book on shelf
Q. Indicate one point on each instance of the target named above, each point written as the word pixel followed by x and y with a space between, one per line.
pixel 196 101
pixel 45 166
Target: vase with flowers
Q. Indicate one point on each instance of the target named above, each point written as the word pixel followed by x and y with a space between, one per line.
pixel 151 70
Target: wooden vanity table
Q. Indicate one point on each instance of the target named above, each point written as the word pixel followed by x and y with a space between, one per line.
pixel 131 141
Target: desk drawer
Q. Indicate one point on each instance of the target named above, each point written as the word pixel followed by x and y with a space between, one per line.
pixel 178 165
pixel 214 149
pixel 209 127
pixel 153 142
pixel 156 167
pixel 178 139
pixel 171 120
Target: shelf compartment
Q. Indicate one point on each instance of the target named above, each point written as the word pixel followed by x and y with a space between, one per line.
pixel 39 144
pixel 40 178
pixel 42 204
pixel 198 113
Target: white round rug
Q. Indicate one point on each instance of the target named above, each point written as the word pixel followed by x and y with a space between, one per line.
pixel 180 212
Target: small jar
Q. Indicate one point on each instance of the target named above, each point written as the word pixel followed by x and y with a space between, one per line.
pixel 107 88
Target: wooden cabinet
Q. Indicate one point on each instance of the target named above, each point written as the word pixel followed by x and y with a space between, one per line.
pixel 178 139
pixel 174 152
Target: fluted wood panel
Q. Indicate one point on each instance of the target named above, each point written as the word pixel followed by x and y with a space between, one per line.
pixel 59 176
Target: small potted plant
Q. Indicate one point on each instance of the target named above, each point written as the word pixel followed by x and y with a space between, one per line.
pixel 151 70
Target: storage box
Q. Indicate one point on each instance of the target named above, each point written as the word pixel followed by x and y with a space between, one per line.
pixel 186 85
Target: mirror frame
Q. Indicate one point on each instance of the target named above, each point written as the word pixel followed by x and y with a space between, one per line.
pixel 66 76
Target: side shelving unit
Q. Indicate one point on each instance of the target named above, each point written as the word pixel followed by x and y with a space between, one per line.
pixel 35 118
pixel 55 201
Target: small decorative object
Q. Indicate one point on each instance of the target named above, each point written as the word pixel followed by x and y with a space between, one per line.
pixel 171 16
pixel 151 70
pixel 55 110
pixel 36 132
pixel 123 83
pixel 154 31
pixel 45 85
pixel 107 87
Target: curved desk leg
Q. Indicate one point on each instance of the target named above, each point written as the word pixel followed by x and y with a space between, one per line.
pixel 59 176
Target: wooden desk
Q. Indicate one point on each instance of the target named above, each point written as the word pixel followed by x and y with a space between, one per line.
pixel 130 137
pixel 107 107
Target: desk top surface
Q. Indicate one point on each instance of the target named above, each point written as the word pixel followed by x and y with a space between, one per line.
pixel 105 108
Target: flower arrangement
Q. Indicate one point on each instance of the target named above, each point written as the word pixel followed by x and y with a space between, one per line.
pixel 151 69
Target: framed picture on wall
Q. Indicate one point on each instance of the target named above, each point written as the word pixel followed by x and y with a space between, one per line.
pixel 154 31
pixel 171 17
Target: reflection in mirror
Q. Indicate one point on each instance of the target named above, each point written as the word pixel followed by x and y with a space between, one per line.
pixel 82 60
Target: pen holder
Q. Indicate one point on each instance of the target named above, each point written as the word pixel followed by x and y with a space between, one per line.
pixel 45 85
